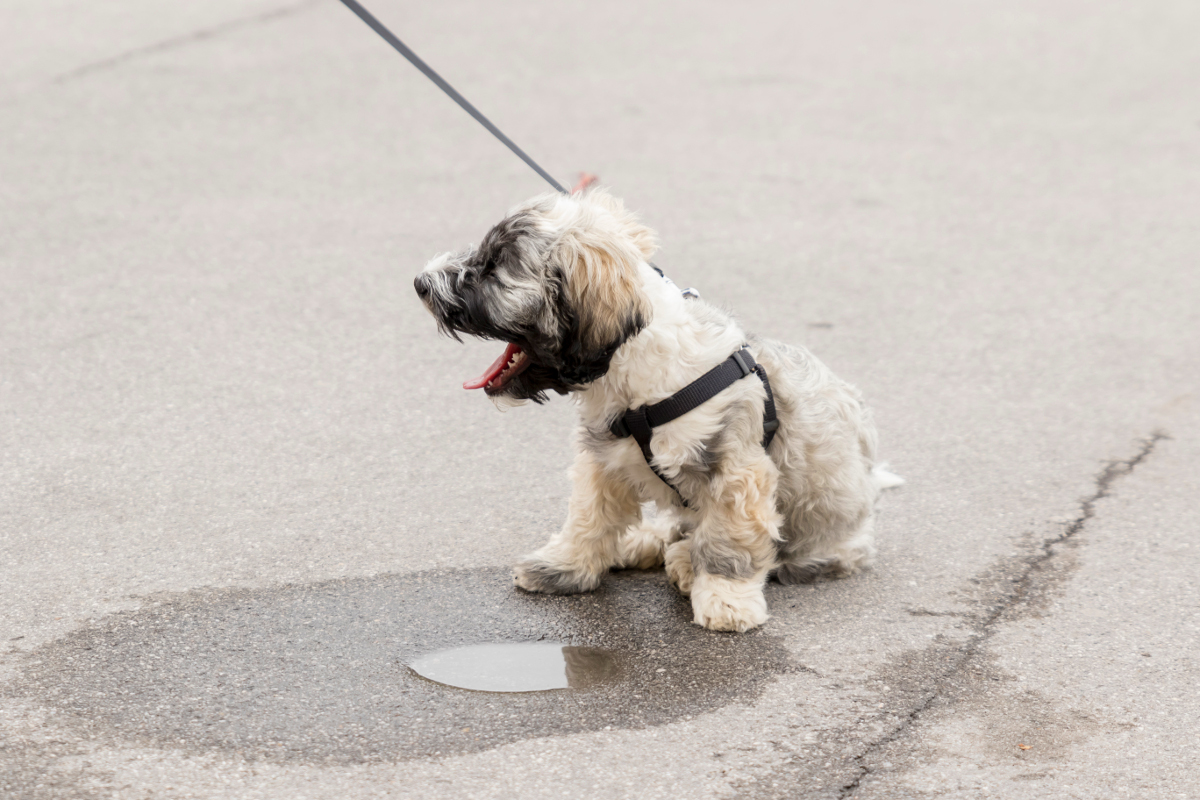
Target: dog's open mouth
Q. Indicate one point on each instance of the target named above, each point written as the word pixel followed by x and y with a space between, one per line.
pixel 503 369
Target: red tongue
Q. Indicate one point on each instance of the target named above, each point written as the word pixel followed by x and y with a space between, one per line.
pixel 495 369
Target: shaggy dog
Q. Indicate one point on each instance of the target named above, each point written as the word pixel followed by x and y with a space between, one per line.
pixel 566 283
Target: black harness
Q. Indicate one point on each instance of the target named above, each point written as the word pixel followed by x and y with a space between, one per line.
pixel 640 422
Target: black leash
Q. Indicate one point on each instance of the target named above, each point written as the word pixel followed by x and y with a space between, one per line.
pixel 404 50
pixel 637 422
pixel 640 422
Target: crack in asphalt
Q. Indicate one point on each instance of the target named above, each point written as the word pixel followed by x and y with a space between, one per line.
pixel 925 612
pixel 180 41
pixel 1022 587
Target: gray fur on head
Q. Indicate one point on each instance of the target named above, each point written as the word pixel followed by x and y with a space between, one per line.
pixel 559 277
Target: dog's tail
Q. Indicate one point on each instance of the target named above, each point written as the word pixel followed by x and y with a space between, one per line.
pixel 885 479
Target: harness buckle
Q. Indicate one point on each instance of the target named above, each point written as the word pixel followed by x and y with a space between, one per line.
pixel 619 429
pixel 744 361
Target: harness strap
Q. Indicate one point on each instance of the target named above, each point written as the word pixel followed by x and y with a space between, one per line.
pixel 640 422
pixel 770 421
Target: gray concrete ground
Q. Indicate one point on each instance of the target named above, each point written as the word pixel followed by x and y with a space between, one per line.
pixel 239 482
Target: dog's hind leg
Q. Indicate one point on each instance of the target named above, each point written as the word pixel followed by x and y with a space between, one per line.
pixel 831 556
pixel 734 547
pixel 853 555
pixel 577 557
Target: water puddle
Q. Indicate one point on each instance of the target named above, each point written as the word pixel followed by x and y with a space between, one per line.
pixel 361 671
pixel 518 667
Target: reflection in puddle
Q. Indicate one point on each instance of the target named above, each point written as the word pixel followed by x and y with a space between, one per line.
pixel 523 667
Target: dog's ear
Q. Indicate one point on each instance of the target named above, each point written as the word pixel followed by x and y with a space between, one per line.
pixel 599 254
pixel 630 226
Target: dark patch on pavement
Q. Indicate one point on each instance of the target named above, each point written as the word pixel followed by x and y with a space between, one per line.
pixel 1010 726
pixel 42 767
pixel 956 674
pixel 317 673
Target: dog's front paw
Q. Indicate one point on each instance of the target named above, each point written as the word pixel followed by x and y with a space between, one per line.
pixel 722 604
pixel 535 574
pixel 678 563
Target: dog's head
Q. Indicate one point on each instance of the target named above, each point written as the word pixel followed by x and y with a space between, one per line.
pixel 558 281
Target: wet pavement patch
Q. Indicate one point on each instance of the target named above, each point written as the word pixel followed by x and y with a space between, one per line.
pixel 325 673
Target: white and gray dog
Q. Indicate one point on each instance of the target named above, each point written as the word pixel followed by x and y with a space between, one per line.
pixel 565 281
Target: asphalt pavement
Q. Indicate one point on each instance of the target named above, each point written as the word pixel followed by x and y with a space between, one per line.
pixel 241 486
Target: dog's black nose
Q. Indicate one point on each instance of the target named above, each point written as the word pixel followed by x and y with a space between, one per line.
pixel 422 287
